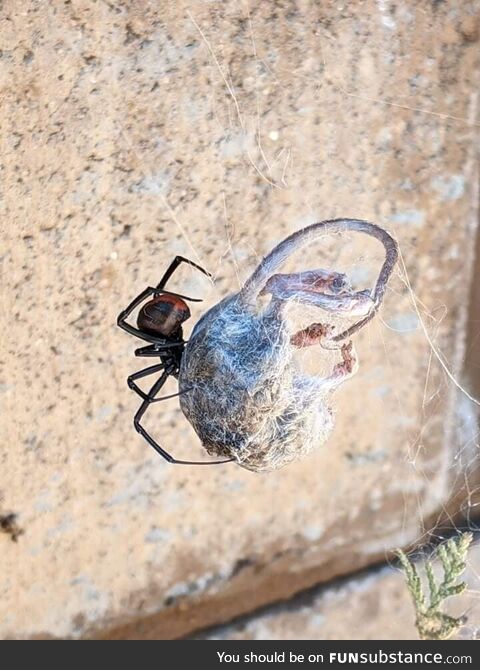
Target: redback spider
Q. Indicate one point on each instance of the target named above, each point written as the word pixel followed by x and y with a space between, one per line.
pixel 159 322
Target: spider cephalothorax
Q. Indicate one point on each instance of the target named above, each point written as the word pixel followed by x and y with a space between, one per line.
pixel 239 386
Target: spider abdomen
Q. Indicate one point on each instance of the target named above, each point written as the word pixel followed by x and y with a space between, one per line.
pixel 163 315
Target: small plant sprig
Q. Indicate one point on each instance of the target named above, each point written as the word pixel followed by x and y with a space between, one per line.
pixel 431 622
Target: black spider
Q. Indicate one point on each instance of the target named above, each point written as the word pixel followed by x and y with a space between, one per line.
pixel 159 321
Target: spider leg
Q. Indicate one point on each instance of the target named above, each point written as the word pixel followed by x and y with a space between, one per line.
pixel 139 375
pixel 150 351
pixel 144 373
pixel 140 429
pixel 121 319
pixel 174 265
pixel 154 350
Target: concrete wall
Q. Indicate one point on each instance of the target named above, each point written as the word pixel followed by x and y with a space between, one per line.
pixel 135 131
pixel 373 605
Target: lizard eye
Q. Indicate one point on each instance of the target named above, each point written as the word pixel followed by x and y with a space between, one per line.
pixel 339 283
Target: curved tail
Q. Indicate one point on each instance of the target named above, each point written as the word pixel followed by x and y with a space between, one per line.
pixel 300 238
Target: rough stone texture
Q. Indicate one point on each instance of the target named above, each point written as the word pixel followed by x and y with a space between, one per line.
pixel 374 606
pixel 132 132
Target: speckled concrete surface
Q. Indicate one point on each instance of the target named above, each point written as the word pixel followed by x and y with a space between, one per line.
pixel 374 606
pixel 135 131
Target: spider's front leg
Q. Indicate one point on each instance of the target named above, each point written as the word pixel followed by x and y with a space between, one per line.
pixel 123 316
pixel 178 260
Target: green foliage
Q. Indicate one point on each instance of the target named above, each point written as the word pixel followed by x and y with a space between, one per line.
pixel 431 622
